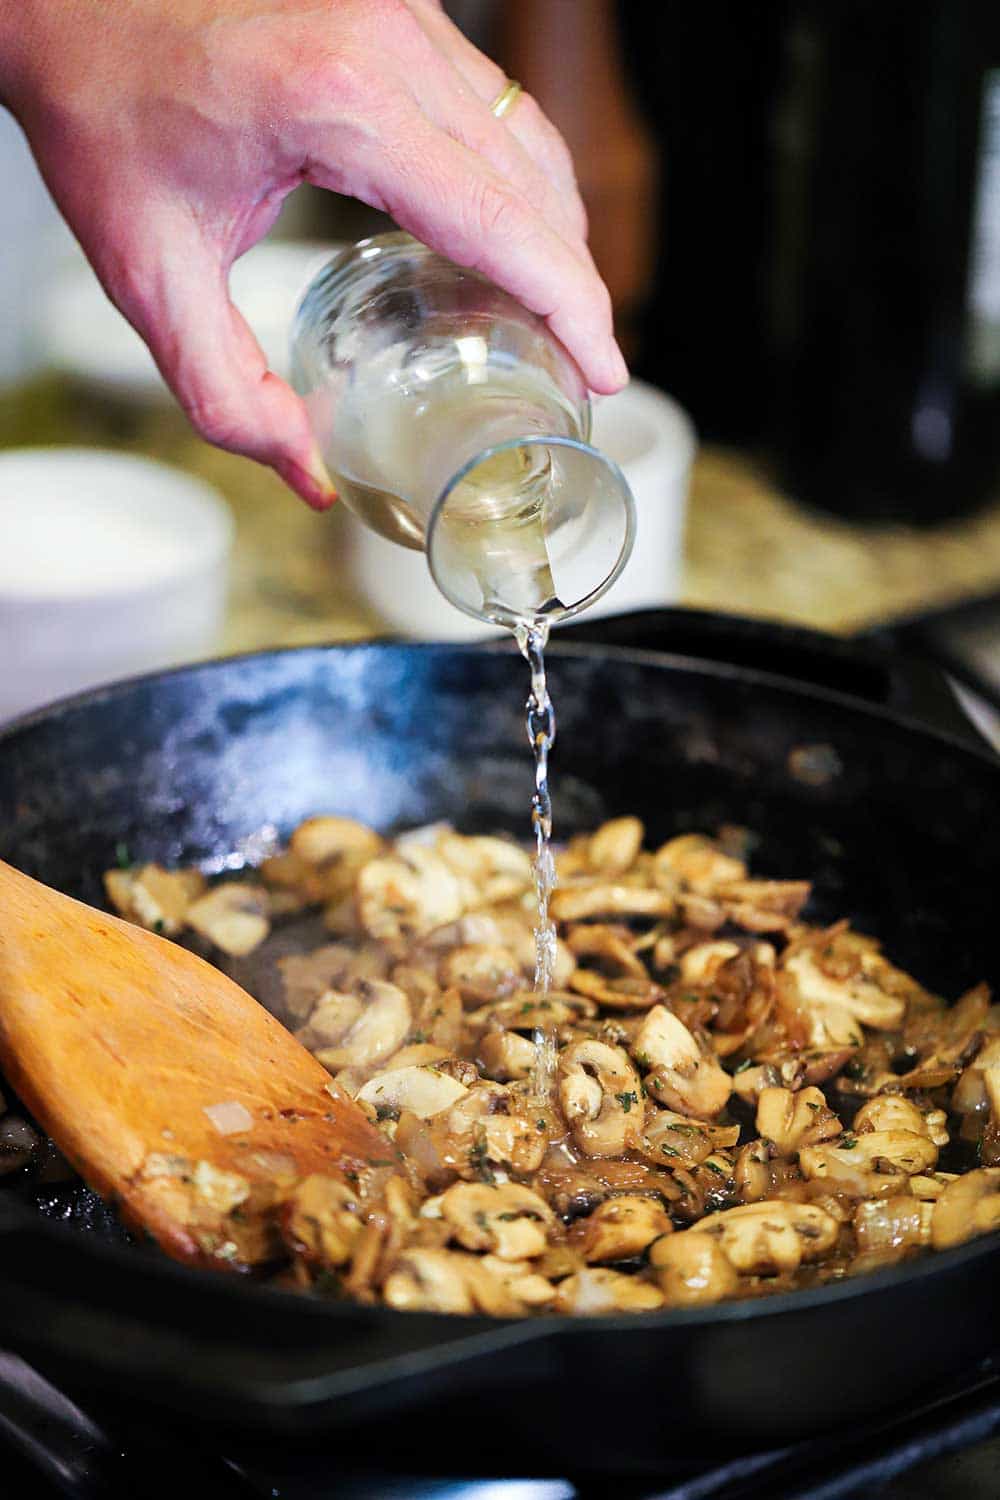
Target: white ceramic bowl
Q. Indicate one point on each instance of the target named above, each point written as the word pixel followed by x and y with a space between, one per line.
pixel 652 439
pixel 77 330
pixel 109 565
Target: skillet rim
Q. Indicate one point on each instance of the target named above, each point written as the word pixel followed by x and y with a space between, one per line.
pixel 639 656
pixel 562 1325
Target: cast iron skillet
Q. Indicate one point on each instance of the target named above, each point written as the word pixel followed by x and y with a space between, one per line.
pixel 893 822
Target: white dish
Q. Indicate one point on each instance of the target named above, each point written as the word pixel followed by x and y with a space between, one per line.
pixel 653 440
pixel 110 565
pixel 78 331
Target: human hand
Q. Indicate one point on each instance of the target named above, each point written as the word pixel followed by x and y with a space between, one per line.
pixel 170 131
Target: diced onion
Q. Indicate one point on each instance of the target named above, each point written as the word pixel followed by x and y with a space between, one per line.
pixel 229 1118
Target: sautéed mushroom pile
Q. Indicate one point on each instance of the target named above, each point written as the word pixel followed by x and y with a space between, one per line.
pixel 741 1103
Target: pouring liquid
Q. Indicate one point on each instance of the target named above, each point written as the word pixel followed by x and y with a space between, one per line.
pixel 541 723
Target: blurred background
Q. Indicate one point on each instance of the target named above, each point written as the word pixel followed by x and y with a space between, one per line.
pixel 797 209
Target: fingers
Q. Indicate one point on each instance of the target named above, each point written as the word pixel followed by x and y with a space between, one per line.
pixel 452 199
pixel 178 300
pixel 526 122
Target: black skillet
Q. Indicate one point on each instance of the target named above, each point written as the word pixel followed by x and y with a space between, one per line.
pixel 894 823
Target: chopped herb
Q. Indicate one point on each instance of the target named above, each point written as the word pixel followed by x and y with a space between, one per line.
pixel 381 1161
pixel 849 1142
pixel 415 1037
pixel 481 1219
pixel 540 1125
pixel 509 1217
pixel 627 1100
pixel 479 1162
pixel 642 1059
pixel 855 1069
pixel 387 1112
pixel 684 1129
pixel 714 1167
pixel 158 926
pixel 527 1006
pixel 122 857
pixel 810 1105
pixel 669 1151
pixel 352 1177
pixel 746 1063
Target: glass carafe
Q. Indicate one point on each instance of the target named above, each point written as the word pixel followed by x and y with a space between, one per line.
pixel 452 420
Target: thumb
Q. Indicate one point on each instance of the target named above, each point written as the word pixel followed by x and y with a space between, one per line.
pixel 208 355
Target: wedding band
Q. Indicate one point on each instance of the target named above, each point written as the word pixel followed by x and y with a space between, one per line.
pixel 506 99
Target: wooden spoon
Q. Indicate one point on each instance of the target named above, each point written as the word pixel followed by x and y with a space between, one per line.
pixel 124 1046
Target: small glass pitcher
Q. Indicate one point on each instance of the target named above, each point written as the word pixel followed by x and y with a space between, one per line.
pixel 452 420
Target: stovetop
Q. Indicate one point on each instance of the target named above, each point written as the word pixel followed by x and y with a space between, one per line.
pixel 57 1443
pixel 52 1445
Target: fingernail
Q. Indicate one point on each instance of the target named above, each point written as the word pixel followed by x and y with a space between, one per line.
pixel 619 368
pixel 321 474
pixel 313 484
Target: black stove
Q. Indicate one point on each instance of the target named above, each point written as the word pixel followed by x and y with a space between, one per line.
pixel 54 1445
pixel 57 1441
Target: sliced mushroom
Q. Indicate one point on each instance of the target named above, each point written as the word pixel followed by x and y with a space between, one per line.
pixel 521 1280
pixel 233 915
pixel 407 894
pixel 499 869
pixel 896 1112
pixel 617 994
pixel 857 1162
pixel 306 977
pixel 333 850
pixel 425 1090
pixel 601 1097
pixel 615 846
pixel 428 1281
pixel 510 1221
pixel 860 993
pixel 374 1028
pixel 153 897
pixel 673 1140
pixel 683 1075
pixel 928 1186
pixel 792 1120
pixel 601 1290
pixel 492 1124
pixel 576 903
pixel 505 1055
pixel 968 1206
pixel 620 1228
pixel 693 1270
pixel 763 905
pixel 321 1220
pixel 900 1222
pixel 768 1238
pixel 700 964
pixel 612 945
pixel 481 972
pixel 527 1011
pixel 696 862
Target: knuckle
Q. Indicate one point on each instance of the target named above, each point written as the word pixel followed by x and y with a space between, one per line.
pixel 497 213
pixel 215 419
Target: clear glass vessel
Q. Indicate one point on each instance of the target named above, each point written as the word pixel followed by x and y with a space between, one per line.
pixel 453 421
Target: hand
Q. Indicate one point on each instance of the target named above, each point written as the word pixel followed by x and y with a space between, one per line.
pixel 170 131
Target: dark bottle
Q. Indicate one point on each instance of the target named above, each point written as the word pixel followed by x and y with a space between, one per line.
pixel 886 288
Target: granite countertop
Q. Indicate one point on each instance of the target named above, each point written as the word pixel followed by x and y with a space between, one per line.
pixel 748 550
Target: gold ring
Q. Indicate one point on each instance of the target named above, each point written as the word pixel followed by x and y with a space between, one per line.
pixel 506 99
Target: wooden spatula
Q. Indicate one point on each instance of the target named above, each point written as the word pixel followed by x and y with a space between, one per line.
pixel 169 1089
